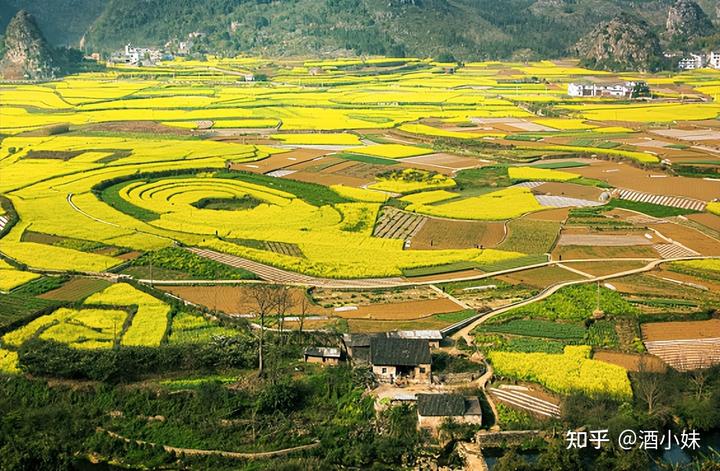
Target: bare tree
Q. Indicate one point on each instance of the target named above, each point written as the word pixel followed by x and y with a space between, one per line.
pixel 648 385
pixel 699 378
pixel 304 306
pixel 283 303
pixel 265 297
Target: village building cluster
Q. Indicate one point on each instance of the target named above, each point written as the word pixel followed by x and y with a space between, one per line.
pixel 136 56
pixel 632 89
pixel 403 359
pixel 699 61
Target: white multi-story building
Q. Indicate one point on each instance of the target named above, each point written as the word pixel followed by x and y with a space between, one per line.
pixel 691 62
pixel 617 90
pixel 714 60
pixel 137 55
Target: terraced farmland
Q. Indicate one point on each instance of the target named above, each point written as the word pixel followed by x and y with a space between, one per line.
pixel 354 178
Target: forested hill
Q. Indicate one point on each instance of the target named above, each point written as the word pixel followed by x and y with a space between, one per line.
pixel 466 29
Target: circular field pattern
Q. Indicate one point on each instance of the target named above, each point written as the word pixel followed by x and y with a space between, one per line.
pixel 327 234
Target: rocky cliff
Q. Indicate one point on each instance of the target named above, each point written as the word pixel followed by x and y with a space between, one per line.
pixel 623 43
pixel 687 20
pixel 27 54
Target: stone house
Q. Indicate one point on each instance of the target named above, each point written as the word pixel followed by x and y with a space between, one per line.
pixel 434 409
pixel 323 355
pixel 394 359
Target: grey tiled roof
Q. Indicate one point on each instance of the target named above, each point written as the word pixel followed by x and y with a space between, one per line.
pixel 440 405
pixel 399 352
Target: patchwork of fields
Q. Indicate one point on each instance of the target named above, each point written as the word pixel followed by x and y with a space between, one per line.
pixel 363 180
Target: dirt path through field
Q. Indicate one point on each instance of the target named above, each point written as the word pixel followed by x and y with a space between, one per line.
pixel 225 454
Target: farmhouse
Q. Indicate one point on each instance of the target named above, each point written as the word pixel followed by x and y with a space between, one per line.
pixel 618 90
pixel 434 409
pixel 324 355
pixel 394 359
pixel 358 345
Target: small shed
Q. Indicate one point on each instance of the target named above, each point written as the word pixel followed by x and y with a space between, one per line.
pixel 434 409
pixel 324 355
pixel 358 347
pixel 392 358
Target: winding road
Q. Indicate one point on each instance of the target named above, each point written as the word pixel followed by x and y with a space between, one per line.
pixel 466 330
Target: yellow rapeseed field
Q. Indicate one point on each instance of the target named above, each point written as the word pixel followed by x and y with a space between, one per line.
pixel 541 174
pixel 149 323
pixel 11 279
pixel 8 362
pixel 428 197
pixel 345 139
pixel 502 204
pixel 573 371
pixel 360 194
pixel 411 180
pixel 714 207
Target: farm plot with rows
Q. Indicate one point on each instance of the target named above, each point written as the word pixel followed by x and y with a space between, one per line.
pixel 684 345
pixel 395 224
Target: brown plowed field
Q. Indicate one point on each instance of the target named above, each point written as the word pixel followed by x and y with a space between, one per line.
pixel 360 170
pixel 631 361
pixel 689 237
pixel 442 161
pixel 540 277
pixel 234 299
pixel 129 255
pixel 655 331
pixel 624 175
pixel 317 164
pixel 569 190
pixel 603 240
pixel 706 219
pixel 651 284
pixel 402 311
pixel 710 284
pixel 278 161
pixel 338 166
pixel 441 234
pixel 328 179
pixel 557 214
pixel 605 268
pixel 76 289
pixel 582 252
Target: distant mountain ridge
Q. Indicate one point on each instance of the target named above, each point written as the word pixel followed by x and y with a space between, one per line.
pixel 464 29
